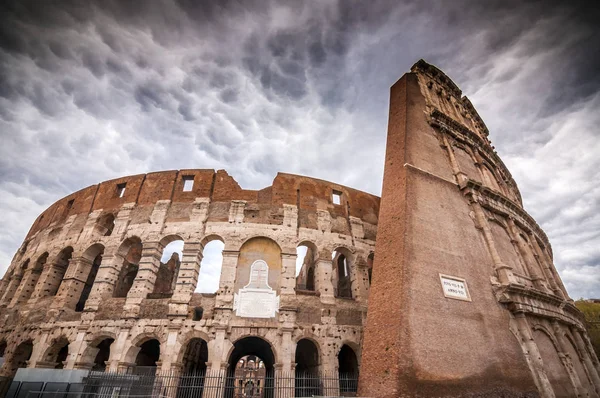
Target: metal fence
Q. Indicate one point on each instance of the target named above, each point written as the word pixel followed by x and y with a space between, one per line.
pixel 218 384
pixel 147 382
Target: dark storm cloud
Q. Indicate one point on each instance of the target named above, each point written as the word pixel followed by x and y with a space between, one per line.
pixel 95 90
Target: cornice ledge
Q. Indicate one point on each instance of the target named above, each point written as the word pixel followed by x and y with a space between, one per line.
pixel 501 203
pixel 463 133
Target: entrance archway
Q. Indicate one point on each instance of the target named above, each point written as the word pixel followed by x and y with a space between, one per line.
pixel 307 382
pixel 348 371
pixel 260 378
pixel 149 354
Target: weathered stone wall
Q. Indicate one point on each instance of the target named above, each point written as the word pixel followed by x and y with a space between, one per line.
pixel 120 236
pixel 450 207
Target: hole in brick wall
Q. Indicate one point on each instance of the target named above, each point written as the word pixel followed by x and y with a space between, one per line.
pixel 70 204
pixel 198 312
pixel 337 197
pixel 121 189
pixel 188 183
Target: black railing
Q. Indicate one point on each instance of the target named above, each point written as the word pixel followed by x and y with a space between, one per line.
pixel 217 384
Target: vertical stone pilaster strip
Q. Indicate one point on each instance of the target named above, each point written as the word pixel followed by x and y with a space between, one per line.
pixel 564 357
pixel 105 281
pixel 288 273
pixel 533 356
pixel 187 278
pixel 587 360
pixel 74 281
pixel 504 272
pixel 227 279
pixel 323 282
pixel 146 277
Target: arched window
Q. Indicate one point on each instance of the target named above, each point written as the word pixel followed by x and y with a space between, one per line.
pixel 210 266
pixel 307 380
pixel 341 275
pixel 370 261
pixel 306 262
pixel 105 224
pixel 131 250
pixel 170 262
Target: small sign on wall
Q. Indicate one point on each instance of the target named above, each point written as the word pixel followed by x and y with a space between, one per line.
pixel 455 288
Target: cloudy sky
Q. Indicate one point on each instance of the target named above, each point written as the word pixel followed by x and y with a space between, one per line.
pixel 93 91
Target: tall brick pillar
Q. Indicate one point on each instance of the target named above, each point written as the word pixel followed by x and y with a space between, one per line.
pixel 417 340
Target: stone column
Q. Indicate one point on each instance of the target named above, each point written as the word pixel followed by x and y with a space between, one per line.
pixel 323 282
pixel 40 346
pixel 330 366
pixel 227 280
pixel 76 349
pixel 359 277
pixel 74 281
pixel 532 270
pixel 9 294
pixel 545 266
pixel 50 279
pixel 26 287
pixel 533 356
pixel 589 365
pixel 504 272
pixel 187 279
pixel 106 278
pixel 288 274
pixel 145 278
pixel 118 350
pixel 568 364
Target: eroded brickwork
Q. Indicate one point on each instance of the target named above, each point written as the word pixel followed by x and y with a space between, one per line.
pixel 450 208
pixel 89 275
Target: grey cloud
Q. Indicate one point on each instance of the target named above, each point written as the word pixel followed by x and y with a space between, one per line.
pixel 260 87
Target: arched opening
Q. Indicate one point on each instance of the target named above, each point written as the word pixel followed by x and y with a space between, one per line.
pixel 348 371
pixel 103 355
pixel 170 262
pixel 35 275
pixel 20 356
pixel 149 354
pixel 305 266
pixel 194 369
pixel 57 353
pixel 95 252
pixel 307 380
pixel 61 265
pixel 210 267
pixel 370 261
pixel 196 356
pixel 556 372
pixel 131 250
pixel 3 346
pixel 341 274
pixel 256 379
pixel 105 224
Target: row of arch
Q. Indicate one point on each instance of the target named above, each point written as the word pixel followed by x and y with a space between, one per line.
pixel 47 278
pixel 193 358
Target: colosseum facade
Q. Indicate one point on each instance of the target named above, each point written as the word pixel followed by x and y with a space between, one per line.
pixel 461 299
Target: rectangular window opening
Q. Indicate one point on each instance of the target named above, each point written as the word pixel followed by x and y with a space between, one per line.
pixel 188 183
pixel 121 189
pixel 337 198
pixel 70 204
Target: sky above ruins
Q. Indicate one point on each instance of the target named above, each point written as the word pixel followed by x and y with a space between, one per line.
pixel 93 91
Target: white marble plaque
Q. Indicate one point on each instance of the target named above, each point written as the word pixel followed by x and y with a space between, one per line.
pixel 455 288
pixel 257 299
